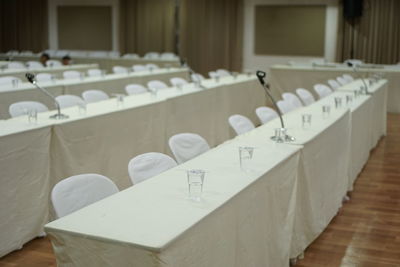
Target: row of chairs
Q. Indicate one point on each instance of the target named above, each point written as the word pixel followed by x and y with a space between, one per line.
pixel 135 68
pixel 19 65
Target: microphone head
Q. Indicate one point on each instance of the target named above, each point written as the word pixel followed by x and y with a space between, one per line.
pixel 261 75
pixel 350 64
pixel 30 77
pixel 183 62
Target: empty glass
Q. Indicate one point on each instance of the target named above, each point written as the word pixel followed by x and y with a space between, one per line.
pixel 82 108
pixel 245 156
pixel 179 86
pixel 306 120
pixel 349 99
pixel 81 76
pixel 32 116
pixel 326 110
pixel 103 73
pixel 338 102
pixel 280 135
pixel 14 83
pixel 195 179
pixel 120 100
pixel 216 78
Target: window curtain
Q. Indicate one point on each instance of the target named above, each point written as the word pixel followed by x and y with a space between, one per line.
pixel 23 25
pixel 376 36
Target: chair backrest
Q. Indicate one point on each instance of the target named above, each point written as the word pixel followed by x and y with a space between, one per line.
pixel 94 72
pixel 156 85
pixel 44 77
pixel 134 89
pixel 197 77
pixel 168 55
pixel 66 101
pixel 72 74
pixel 34 65
pixel 342 81
pixel 53 63
pixel 333 84
pixel 147 165
pixel 213 74
pixel 322 90
pixel 305 96
pixel 152 55
pixel 240 124
pixel 131 55
pixel 16 65
pixel 292 98
pixel 348 77
pixel 9 81
pixel 178 81
pixel 223 72
pixel 139 67
pixel 285 106
pixel 91 96
pixel 120 70
pixel 265 114
pixel 152 66
pixel 186 146
pixel 20 108
pixel 79 191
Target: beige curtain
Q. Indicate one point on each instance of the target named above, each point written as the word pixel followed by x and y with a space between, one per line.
pixel 23 25
pixel 146 25
pixel 377 33
pixel 212 34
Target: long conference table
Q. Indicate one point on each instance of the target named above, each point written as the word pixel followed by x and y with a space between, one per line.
pixel 285 78
pixel 110 84
pixel 262 217
pixel 35 156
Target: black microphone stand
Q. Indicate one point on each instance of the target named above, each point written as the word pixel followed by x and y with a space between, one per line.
pixel 59 116
pixel 261 75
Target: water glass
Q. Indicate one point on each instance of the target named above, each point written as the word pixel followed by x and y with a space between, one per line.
pixel 216 78
pixel 280 135
pixel 195 179
pixel 338 102
pixel 103 73
pixel 82 109
pixel 245 156
pixel 235 75
pixel 32 116
pixel 179 86
pixel 81 76
pixel 53 79
pixel 120 100
pixel 326 110
pixel 306 120
pixel 349 99
pixel 14 83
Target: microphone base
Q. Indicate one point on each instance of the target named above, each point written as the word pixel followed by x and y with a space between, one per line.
pixel 59 116
pixel 285 139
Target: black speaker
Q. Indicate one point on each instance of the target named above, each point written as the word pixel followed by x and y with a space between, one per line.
pixel 352 8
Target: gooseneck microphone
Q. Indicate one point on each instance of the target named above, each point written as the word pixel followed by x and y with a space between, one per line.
pixel 358 75
pixel 59 116
pixel 261 78
pixel 185 65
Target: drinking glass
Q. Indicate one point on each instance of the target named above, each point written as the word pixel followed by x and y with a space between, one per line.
pixel 195 178
pixel 306 120
pixel 245 156
pixel 326 110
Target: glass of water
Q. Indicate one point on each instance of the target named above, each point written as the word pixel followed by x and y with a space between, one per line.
pixel 245 156
pixel 305 120
pixel 32 115
pixel 195 179
pixel 326 110
pixel 338 102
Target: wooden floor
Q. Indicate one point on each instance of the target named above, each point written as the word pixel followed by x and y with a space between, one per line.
pixel 366 231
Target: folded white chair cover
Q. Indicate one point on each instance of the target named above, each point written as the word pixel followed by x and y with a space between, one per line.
pixel 168 55
pixel 197 77
pixel 223 72
pixel 44 77
pixel 53 63
pixel 134 89
pixel 240 124
pixel 152 66
pixel 265 114
pixel 156 85
pixel 9 80
pixel 91 96
pixel 72 74
pixel 66 101
pixel 305 96
pixel 178 81
pixel 120 70
pixel 147 165
pixel 292 98
pixel 285 106
pixel 341 80
pixel 94 72
pixel 348 77
pixel 186 146
pixel 138 67
pixel 333 84
pixel 152 55
pixel 132 55
pixel 34 65
pixel 20 108
pixel 79 191
pixel 322 90
pixel 213 74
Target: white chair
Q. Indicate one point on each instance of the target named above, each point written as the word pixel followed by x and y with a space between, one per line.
pixel 197 77
pixel 100 54
pixel 186 146
pixel 223 73
pixel 53 63
pixel 9 81
pixel 152 55
pixel 16 65
pixel 266 114
pixel 152 66
pixel 168 55
pixel 20 108
pixel 292 98
pixel 120 70
pixel 72 74
pixel 131 56
pixel 26 53
pixel 178 81
pixel 240 124
pixel 348 77
pixel 44 77
pixel 135 89
pixel 305 96
pixel 95 72
pixel 342 81
pixel 76 192
pixel 322 90
pixel 285 106
pixel 66 101
pixel 156 85
pixel 113 54
pixel 213 74
pixel 333 84
pixel 34 65
pixel 145 166
pixel 139 67
pixel 91 96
